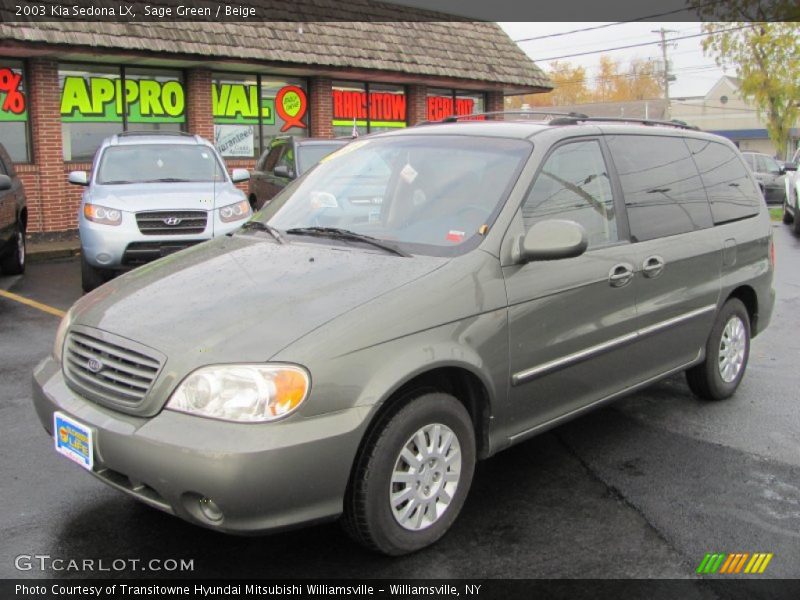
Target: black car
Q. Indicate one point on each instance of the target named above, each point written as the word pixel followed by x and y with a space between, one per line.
pixel 284 160
pixel 13 218
pixel 770 176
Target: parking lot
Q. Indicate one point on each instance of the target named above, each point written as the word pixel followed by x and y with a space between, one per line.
pixel 644 488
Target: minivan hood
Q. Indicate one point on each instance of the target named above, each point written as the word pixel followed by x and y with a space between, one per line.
pixel 243 297
pixel 165 196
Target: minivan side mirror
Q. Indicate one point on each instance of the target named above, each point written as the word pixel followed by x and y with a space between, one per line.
pixel 553 239
pixel 5 183
pixel 238 175
pixel 79 178
pixel 283 171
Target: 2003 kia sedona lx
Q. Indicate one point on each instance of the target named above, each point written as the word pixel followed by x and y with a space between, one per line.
pixel 340 358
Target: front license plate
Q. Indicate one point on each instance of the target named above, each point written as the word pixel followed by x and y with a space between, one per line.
pixel 73 440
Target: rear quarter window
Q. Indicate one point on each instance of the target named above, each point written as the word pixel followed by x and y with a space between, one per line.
pixel 731 191
pixel 663 192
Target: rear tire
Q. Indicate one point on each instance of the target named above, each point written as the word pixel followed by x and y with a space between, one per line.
pixel 412 477
pixel 14 263
pixel 91 277
pixel 727 351
pixel 787 216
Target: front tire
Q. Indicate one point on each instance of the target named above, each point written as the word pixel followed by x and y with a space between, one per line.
pixel 14 263
pixel 412 477
pixel 727 352
pixel 787 216
pixel 91 277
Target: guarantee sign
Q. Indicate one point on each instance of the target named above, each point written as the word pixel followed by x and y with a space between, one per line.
pixel 291 105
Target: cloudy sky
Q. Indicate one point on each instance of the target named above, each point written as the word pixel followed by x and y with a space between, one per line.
pixel 695 72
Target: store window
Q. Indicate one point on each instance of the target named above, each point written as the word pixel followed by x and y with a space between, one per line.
pixel 250 108
pixel 367 107
pixel 444 103
pixel 14 132
pixel 93 105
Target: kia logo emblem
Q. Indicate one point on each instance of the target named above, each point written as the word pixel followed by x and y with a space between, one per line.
pixel 94 365
pixel 172 221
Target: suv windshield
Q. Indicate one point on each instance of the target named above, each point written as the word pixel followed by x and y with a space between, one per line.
pixel 429 194
pixel 150 163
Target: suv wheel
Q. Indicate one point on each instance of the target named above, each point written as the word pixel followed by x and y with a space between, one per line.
pixel 14 263
pixel 412 478
pixel 91 277
pixel 727 351
pixel 787 216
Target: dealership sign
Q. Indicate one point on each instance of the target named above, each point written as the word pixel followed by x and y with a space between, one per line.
pixel 242 104
pixel 12 100
pixel 440 107
pixel 385 109
pixel 100 100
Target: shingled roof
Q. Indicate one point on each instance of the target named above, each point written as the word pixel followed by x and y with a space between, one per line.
pixel 418 46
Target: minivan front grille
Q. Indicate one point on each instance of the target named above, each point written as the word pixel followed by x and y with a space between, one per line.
pixel 108 372
pixel 172 222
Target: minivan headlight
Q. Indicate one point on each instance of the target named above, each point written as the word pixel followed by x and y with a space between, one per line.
pixel 102 214
pixel 235 212
pixel 61 334
pixel 245 393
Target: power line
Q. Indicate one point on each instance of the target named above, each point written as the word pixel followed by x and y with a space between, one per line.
pixel 675 39
pixel 606 25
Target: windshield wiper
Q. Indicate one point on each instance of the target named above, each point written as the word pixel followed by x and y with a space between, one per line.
pixel 259 226
pixel 116 182
pixel 346 234
pixel 169 180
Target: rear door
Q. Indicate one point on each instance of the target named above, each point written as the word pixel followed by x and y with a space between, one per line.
pixel 571 321
pixel 8 207
pixel 678 253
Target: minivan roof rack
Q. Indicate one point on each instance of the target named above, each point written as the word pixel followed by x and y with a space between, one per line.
pixel 471 117
pixel 572 120
pixel 134 133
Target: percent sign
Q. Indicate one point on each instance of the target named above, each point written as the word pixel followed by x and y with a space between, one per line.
pixel 9 83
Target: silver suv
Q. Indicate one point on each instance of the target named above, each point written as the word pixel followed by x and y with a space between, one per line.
pixel 149 195
pixel 339 361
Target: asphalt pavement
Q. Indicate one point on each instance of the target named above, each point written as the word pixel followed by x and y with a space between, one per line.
pixel 642 489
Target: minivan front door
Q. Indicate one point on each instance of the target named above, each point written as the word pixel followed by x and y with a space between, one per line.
pixel 571 321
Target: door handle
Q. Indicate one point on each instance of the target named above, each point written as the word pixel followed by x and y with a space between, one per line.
pixel 620 275
pixel 653 266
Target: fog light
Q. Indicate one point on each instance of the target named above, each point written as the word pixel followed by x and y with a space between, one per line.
pixel 210 509
pixel 103 258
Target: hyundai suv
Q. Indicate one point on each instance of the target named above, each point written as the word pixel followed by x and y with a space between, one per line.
pixel 513 276
pixel 149 195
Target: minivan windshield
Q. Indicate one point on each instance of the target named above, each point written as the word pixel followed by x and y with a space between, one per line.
pixel 311 154
pixel 425 194
pixel 158 163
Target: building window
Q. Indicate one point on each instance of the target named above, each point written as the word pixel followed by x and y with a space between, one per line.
pixel 446 103
pixel 367 107
pixel 14 131
pixel 93 105
pixel 250 108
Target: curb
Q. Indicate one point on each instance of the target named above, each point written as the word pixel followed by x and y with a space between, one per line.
pixel 43 255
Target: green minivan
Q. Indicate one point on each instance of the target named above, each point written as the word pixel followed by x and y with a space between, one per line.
pixel 334 359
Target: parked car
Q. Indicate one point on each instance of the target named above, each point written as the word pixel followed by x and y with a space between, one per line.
pixel 770 176
pixel 516 275
pixel 13 218
pixel 791 204
pixel 149 195
pixel 286 158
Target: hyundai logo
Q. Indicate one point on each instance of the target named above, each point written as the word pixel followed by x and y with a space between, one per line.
pixel 172 221
pixel 94 365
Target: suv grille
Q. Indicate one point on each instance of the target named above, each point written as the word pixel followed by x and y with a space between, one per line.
pixel 106 372
pixel 172 222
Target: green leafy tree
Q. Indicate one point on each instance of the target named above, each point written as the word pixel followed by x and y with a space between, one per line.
pixel 765 52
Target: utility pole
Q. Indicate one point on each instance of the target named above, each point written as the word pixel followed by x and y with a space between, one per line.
pixel 666 75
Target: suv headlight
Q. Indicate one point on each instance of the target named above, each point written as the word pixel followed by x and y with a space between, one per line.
pixel 61 334
pixel 235 212
pixel 245 393
pixel 101 214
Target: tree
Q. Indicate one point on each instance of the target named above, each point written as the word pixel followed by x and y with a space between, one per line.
pixel 765 53
pixel 641 82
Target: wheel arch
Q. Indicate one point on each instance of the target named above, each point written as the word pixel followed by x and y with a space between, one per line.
pixel 747 295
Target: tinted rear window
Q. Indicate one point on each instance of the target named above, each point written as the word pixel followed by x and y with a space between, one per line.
pixel 730 189
pixel 663 192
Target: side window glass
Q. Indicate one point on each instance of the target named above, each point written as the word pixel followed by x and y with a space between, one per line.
pixel 772 165
pixel 272 157
pixel 730 189
pixel 3 170
pixel 574 184
pixel 761 165
pixel 663 192
pixel 287 158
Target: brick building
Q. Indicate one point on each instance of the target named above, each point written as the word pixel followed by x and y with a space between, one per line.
pixel 65 86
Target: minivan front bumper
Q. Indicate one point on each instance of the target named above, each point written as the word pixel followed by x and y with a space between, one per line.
pixel 262 477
